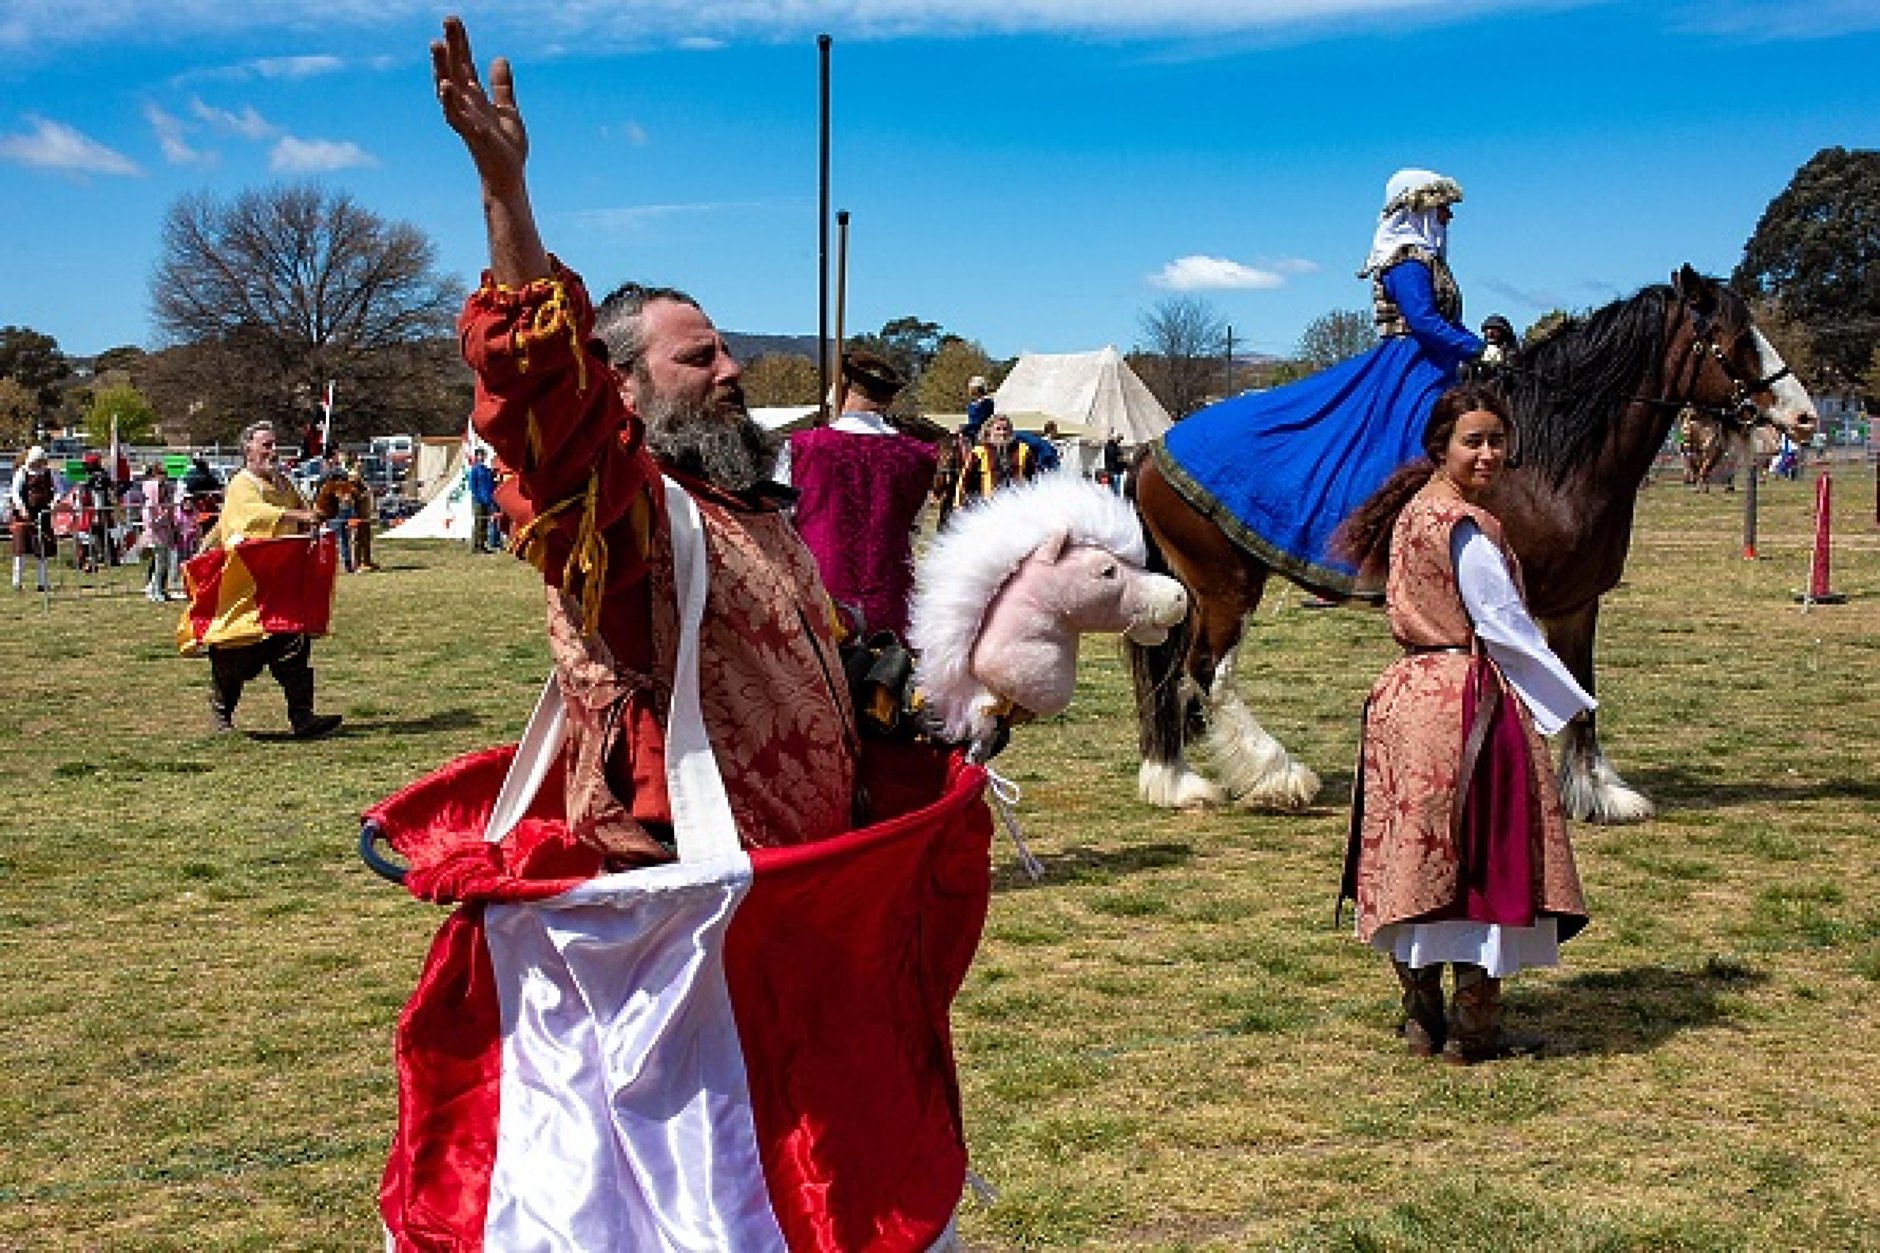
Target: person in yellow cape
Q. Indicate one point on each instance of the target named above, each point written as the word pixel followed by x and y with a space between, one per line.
pixel 260 590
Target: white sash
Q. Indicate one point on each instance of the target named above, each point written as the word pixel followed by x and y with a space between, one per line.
pixel 702 823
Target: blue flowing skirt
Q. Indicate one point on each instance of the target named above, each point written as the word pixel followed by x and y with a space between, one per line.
pixel 1279 470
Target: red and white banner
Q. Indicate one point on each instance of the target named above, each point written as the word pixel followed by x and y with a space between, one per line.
pixel 120 463
pixel 259 586
pixel 750 1052
pixel 326 423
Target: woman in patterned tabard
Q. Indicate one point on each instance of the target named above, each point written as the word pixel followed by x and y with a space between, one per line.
pixel 1458 849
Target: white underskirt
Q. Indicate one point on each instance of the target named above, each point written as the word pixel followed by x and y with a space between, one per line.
pixel 1500 950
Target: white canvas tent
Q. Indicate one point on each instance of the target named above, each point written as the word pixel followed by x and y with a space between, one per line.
pixel 446 515
pixel 437 463
pixel 784 419
pixel 1090 395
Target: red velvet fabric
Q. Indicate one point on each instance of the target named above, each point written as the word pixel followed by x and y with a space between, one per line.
pixel 841 961
pixel 858 497
pixel 1496 874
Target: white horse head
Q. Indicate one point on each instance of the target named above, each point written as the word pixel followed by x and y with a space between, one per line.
pixel 1004 593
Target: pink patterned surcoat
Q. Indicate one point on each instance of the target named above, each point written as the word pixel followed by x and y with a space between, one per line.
pixel 858 498
pixel 1408 867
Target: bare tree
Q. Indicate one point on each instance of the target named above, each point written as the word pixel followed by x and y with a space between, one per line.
pixel 1334 337
pixel 1184 340
pixel 282 289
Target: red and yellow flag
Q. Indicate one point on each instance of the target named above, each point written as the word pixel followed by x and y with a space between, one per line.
pixel 256 588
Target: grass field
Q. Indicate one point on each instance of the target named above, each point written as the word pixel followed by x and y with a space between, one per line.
pixel 1165 1045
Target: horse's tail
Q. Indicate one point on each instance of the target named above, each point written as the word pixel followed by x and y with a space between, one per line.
pixel 1155 673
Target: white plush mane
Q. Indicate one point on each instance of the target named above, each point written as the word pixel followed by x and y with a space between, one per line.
pixel 966 565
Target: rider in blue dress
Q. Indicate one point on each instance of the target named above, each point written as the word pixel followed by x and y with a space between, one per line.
pixel 1278 470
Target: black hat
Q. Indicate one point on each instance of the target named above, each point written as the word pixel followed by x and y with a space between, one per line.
pixel 873 376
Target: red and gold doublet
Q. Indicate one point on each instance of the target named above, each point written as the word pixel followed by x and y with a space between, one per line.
pixel 588 510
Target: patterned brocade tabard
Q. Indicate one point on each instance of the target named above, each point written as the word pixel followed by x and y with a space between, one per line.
pixel 1384 311
pixel 1409 865
pixel 774 707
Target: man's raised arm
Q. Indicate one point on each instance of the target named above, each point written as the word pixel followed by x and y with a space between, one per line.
pixel 492 130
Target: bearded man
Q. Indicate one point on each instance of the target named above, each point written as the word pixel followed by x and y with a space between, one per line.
pixel 592 415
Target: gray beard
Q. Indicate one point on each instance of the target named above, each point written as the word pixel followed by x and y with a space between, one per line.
pixel 731 452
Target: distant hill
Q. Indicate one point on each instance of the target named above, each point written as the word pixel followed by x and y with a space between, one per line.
pixel 746 347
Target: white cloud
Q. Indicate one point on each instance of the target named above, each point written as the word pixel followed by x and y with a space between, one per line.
pixel 171 132
pixel 1198 273
pixel 56 146
pixel 600 25
pixel 296 67
pixel 631 219
pixel 628 132
pixel 249 124
pixel 316 156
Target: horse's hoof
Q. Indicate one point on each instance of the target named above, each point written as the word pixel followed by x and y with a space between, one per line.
pixel 1606 805
pixel 1175 787
pixel 1293 789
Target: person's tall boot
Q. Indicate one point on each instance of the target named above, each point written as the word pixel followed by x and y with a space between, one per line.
pixel 308 725
pixel 223 697
pixel 1476 1033
pixel 1424 1027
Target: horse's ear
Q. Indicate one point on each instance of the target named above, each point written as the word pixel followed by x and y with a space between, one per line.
pixel 1695 288
pixel 1053 547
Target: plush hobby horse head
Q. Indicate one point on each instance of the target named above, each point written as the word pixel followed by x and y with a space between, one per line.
pixel 1004 593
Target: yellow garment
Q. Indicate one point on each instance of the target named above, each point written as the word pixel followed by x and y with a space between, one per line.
pixel 252 508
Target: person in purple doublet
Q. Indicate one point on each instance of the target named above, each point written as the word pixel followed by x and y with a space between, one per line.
pixel 860 488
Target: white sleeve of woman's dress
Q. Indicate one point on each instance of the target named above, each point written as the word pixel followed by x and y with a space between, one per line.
pixel 1539 678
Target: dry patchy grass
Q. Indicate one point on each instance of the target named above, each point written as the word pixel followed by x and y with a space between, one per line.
pixel 1166 1045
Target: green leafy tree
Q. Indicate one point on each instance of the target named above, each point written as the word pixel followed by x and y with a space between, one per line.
pixel 781 378
pixel 136 420
pixel 1817 251
pixel 33 360
pixel 1870 377
pixel 1334 337
pixel 284 289
pixel 19 415
pixel 943 386
pixel 910 343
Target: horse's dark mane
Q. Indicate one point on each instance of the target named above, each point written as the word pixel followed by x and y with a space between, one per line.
pixel 1572 386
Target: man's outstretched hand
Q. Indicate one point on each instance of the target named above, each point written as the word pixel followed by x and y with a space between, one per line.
pixel 492 131
pixel 490 124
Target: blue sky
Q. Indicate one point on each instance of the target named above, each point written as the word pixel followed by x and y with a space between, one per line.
pixel 1032 174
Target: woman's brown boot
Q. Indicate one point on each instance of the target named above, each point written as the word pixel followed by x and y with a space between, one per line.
pixel 1475 1031
pixel 1423 1023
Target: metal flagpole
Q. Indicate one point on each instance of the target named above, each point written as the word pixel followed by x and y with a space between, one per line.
pixel 822 235
pixel 842 300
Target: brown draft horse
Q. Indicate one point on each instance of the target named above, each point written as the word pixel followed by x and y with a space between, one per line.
pixel 1593 403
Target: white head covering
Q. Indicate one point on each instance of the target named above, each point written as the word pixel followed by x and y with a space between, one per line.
pixel 1411 199
pixel 35 455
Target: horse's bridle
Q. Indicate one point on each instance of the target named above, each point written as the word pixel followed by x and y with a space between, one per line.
pixel 1740 411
